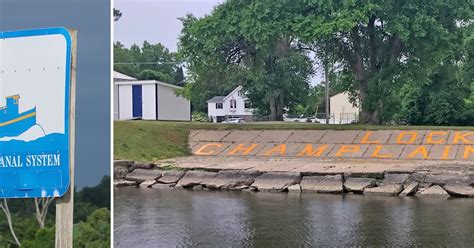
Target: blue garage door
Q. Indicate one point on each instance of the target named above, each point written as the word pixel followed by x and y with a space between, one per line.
pixel 137 101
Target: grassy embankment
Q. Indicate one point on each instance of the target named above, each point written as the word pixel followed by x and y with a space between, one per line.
pixel 155 140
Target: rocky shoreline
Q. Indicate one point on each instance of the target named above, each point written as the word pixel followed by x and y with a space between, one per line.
pixel 417 183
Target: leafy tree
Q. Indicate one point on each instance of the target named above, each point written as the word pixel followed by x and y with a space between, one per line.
pixel 30 234
pixel 380 45
pixel 95 232
pixel 148 62
pixel 98 195
pixel 439 101
pixel 43 237
pixel 179 78
pixel 82 210
pixel 246 43
pixel 8 215
pixel 398 59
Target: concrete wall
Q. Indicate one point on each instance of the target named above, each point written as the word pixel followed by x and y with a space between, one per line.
pixel 172 107
pixel 380 144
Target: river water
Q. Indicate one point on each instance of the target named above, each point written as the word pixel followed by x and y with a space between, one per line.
pixel 182 218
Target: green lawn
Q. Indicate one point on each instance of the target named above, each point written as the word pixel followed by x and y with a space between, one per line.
pixel 154 140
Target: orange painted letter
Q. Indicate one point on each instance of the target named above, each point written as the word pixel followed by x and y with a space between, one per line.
pixel 281 149
pixel 243 149
pixel 446 152
pixel 365 139
pixel 347 149
pixel 458 136
pixel 308 151
pixel 429 138
pixel 403 134
pixel 468 150
pixel 419 150
pixel 201 150
pixel 376 154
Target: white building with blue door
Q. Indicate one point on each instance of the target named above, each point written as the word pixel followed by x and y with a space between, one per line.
pixel 148 100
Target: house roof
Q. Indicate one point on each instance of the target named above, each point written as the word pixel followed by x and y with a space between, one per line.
pixel 223 98
pixel 217 99
pixel 141 82
pixel 236 89
pixel 122 77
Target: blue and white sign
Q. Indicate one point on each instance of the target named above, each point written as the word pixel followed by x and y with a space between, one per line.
pixel 34 112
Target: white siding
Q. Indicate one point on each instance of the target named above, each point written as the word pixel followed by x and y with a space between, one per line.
pixel 149 101
pixel 116 103
pixel 240 108
pixel 125 102
pixel 172 107
pixel 212 111
pixel 342 109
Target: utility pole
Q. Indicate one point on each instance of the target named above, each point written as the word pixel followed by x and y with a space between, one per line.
pixel 326 80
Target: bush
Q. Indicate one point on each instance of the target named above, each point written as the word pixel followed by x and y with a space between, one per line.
pixel 199 117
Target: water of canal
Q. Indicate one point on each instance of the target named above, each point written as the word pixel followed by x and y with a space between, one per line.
pixel 182 218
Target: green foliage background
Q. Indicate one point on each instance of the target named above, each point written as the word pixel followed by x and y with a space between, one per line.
pixel 148 62
pixel 91 220
pixel 404 61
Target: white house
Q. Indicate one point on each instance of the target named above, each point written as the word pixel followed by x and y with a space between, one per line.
pixel 148 100
pixel 341 109
pixel 235 104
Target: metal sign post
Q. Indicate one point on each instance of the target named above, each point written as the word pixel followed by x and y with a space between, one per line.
pixel 37 102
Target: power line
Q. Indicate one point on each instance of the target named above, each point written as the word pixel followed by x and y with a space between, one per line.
pixel 147 63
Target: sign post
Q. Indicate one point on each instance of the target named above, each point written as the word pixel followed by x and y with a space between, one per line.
pixel 65 204
pixel 37 102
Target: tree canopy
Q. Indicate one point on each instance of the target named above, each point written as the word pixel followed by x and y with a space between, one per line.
pixel 407 61
pixel 91 220
pixel 236 46
pixel 148 62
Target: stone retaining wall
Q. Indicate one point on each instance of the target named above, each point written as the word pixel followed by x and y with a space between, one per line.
pixel 418 183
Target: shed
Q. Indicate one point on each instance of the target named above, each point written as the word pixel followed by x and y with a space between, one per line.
pixel 342 110
pixel 148 100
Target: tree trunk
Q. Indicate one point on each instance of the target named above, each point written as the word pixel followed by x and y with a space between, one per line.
pixel 41 206
pixel 279 107
pixel 362 78
pixel 276 108
pixel 365 114
pixel 6 210
pixel 273 110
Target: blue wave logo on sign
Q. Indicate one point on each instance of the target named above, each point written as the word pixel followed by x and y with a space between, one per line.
pixel 34 113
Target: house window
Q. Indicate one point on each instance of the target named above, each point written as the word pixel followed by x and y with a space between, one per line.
pixel 219 105
pixel 238 93
pixel 247 104
pixel 233 104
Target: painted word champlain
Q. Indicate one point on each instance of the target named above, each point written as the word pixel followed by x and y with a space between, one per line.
pixel 34 112
pixel 386 144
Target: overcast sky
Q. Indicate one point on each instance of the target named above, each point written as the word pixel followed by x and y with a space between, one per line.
pixel 92 20
pixel 156 20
